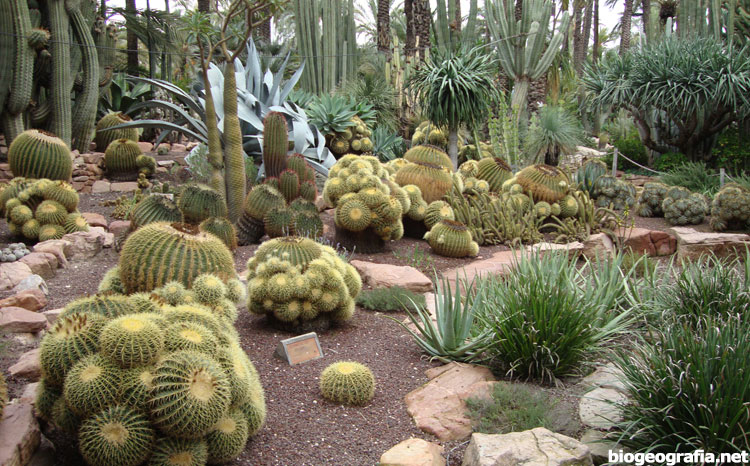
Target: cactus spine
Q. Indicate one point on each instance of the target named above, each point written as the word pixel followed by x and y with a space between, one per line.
pixel 275 140
pixel 62 81
pixel 234 159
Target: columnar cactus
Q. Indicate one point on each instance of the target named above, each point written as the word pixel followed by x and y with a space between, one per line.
pixel 38 154
pixel 275 143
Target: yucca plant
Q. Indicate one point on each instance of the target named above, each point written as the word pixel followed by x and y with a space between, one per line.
pixel 452 337
pixel 553 132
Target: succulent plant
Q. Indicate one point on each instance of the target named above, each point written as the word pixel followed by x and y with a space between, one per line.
pixel 429 154
pixel 131 341
pixel 38 154
pixel 161 252
pixel 429 133
pixel 199 202
pixel 681 207
pixel 730 208
pixel 495 171
pixel 437 211
pixel 105 136
pixel 168 451
pixel 275 143
pixel 154 208
pixel 116 435
pixel 609 191
pixel 451 239
pixel 295 281
pixel 228 438
pixel 544 182
pixel 649 203
pixel 120 157
pixel 221 228
pixel 347 382
pixel 91 385
pixel 588 173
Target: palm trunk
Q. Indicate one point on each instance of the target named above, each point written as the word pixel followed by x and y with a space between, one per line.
pixel 453 147
pixel 384 26
pixel 422 24
pixel 204 6
pixel 597 45
pixel 410 37
pixel 132 41
pixel 627 17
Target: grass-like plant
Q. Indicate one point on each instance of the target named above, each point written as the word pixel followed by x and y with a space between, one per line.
pixel 695 176
pixel 512 408
pixel 453 336
pixel 389 299
pixel 690 388
pixel 547 317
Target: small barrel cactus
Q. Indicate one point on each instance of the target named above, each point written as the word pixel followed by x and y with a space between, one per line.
pixel 104 136
pixel 120 157
pixel 154 208
pixel 199 202
pixel 38 154
pixel 451 239
pixel 347 382
pixel 649 204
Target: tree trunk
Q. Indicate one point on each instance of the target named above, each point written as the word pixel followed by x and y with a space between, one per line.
pixel 384 26
pixel 132 41
pixel 597 45
pixel 646 18
pixel 261 31
pixel 552 157
pixel 410 36
pixel 627 16
pixel 453 147
pixel 457 18
pixel 422 24
pixel 587 17
pixel 578 45
pixel 204 6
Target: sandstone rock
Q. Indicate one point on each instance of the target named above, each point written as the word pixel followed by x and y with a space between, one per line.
pixel 119 228
pixel 95 220
pixel 598 408
pixel 535 447
pixel 28 395
pixel 321 204
pixel 574 248
pixel 600 447
pixel 145 146
pixel 52 315
pixel 386 276
pixel 598 245
pixel 60 248
pixel 45 454
pixel 165 163
pixel 18 320
pixel 413 452
pixel 644 241
pixel 19 435
pixel 101 186
pixel 27 366
pixel 191 145
pixel 32 282
pixel 43 264
pixel 12 273
pixel 179 148
pixel 438 407
pixel 31 300
pixel 606 376
pixel 124 186
pixel 692 244
pixel 93 157
pixel 108 238
pixel 85 244
pixel 590 153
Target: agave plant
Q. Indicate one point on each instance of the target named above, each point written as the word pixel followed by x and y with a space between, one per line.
pixel 258 93
pixel 332 114
pixel 387 145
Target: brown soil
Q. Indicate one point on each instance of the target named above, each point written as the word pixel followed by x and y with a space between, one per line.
pixel 302 428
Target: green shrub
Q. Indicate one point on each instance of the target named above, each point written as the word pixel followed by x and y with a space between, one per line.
pixel 512 408
pixel 732 150
pixel 548 317
pixel 670 160
pixel 689 389
pixel 632 148
pixel 389 299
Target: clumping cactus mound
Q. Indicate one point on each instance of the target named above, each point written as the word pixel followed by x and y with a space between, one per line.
pixel 347 382
pixel 156 379
pixel 299 284
pixel 730 208
pixel 682 207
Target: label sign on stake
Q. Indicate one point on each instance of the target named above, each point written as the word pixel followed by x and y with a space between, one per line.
pixel 299 349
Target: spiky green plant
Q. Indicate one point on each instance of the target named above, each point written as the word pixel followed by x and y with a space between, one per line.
pixel 553 132
pixel 222 228
pixel 347 382
pixel 495 171
pixel 38 154
pixel 452 239
pixel 275 143
pixel 199 202
pixel 105 136
pixel 544 182
pixel 155 208
pixel 117 435
pixel 730 208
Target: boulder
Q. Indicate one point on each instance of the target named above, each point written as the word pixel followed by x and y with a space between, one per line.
pixel 119 228
pixel 573 249
pixel 145 146
pixel 179 148
pixel 28 394
pixel 644 241
pixel 413 452
pixel 438 407
pixel 101 186
pixel 32 300
pixel 598 245
pixel 52 315
pixel 93 157
pixel 606 376
pixel 94 219
pixel 599 408
pixel 386 276
pixel 61 249
pixel 43 264
pixel 32 282
pixel 19 435
pixel 45 454
pixel 692 244
pixel 535 447
pixel 87 244
pixel 27 366
pixel 599 445
pixel 124 186
pixel 321 204
pixel 12 273
pixel 20 320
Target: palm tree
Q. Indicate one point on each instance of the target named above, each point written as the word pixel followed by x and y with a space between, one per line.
pixel 455 88
pixel 204 6
pixel 627 16
pixel 384 26
pixel 553 132
pixel 422 19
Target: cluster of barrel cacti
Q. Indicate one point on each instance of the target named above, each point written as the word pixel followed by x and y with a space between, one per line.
pixel 682 207
pixel 730 208
pixel 353 140
pixel 428 133
pixel 152 377
pixel 649 202
pixel 348 383
pixel 475 152
pixel 124 160
pixel 369 206
pixel 610 192
pixel 52 78
pixel 40 210
pixel 298 283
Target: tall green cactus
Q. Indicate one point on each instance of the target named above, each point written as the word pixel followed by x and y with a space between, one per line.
pixel 451 36
pixel 330 51
pixel 62 81
pixel 275 143
pixel 84 115
pixel 521 44
pixel 23 66
pixel 234 156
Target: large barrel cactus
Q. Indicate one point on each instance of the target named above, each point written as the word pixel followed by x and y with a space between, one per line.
pixel 154 383
pixel 452 239
pixel 38 154
pixel 199 202
pixel 544 182
pixel 105 136
pixel 495 171
pixel 161 252
pixel 125 160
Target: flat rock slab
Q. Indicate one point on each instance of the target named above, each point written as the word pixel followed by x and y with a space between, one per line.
pixel 85 244
pixel 60 248
pixel 28 366
pixel 95 220
pixel 12 273
pixel 606 376
pixel 19 434
pixel 497 264
pixel 101 186
pixel 645 241
pixel 43 264
pixel 32 282
pixel 387 276
pixel 20 320
pixel 599 408
pixel 599 445
pixel 413 452
pixel 438 407
pixel 692 244
pixel 32 300
pixel 535 447
pixel 573 249
pixel 124 186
